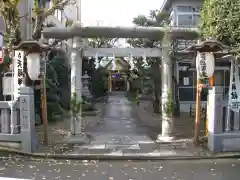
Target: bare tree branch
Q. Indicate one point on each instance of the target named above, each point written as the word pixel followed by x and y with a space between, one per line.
pixel 55 42
pixel 25 15
pixel 43 14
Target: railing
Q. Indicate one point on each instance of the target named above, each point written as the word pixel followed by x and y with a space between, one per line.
pixel 8 113
pixel 183 44
pixel 234 119
pixel 17 122
pixel 9 108
pixel 10 130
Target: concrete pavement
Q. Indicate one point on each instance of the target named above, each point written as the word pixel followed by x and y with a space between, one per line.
pixel 120 133
pixel 15 167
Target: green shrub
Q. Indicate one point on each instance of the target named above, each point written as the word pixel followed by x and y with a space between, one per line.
pixel 99 83
pixel 169 106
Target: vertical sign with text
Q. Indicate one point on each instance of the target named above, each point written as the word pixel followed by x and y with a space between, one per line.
pixel 18 71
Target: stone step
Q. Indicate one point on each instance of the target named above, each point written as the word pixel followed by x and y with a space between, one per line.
pixel 128 148
pixel 136 149
pixel 123 146
pixel 94 151
pixel 107 148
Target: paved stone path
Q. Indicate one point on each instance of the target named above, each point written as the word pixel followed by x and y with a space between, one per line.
pixel 119 126
pixel 120 123
pixel 121 133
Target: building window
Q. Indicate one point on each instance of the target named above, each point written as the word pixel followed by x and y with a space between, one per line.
pixel 186 85
pixel 184 8
pixel 188 9
pixel 183 76
pixel 196 9
pixel 184 20
pixel 187 91
pixel 188 19
pixel 187 94
pixel 196 19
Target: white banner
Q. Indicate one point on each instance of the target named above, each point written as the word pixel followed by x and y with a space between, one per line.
pixel 234 87
pixel 18 71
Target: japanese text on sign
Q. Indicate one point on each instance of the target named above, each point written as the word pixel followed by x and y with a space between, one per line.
pixel 20 63
pixel 18 71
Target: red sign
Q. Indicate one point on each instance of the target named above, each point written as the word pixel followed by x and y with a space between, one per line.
pixel 1 55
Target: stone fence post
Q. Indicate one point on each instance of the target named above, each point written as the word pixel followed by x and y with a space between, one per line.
pixel 214 117
pixel 27 119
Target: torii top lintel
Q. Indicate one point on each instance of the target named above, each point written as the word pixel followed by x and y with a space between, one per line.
pixel 120 32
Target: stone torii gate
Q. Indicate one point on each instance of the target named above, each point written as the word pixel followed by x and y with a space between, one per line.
pixel 79 49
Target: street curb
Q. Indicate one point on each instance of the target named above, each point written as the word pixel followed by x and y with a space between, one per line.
pixel 115 157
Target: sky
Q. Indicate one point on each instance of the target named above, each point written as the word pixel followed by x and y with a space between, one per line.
pixel 115 12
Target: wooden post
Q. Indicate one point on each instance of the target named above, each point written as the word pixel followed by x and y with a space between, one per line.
pixel 44 108
pixel 198 112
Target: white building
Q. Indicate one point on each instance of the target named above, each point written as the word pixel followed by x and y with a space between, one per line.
pixel 186 13
pixel 183 13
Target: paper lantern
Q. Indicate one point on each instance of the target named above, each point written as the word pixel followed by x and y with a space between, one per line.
pixel 205 65
pixel 33 66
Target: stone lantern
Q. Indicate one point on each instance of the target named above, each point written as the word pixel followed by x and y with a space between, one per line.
pixel 86 92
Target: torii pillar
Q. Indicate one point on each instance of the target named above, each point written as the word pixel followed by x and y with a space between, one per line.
pixel 166 75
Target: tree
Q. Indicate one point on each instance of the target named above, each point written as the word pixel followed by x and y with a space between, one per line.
pixel 9 11
pixel 220 20
pixel 102 43
pixel 57 71
pixel 155 19
pixel 98 76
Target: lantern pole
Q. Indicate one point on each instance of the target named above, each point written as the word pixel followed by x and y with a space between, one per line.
pixel 208 46
pixel 198 111
pixel 44 103
pixel 44 108
pixel 35 47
